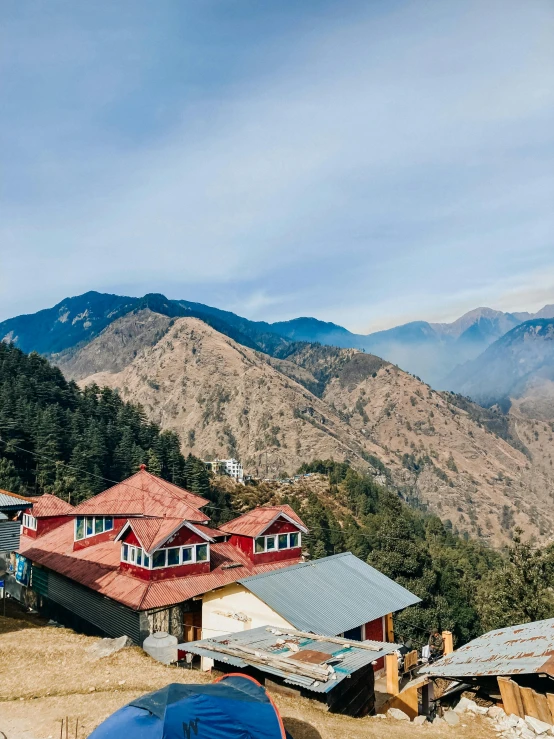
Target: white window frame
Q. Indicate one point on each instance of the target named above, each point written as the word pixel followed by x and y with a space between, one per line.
pixel 265 537
pixel 132 558
pixel 94 519
pixel 29 522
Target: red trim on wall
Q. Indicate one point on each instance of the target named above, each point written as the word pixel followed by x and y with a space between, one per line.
pixel 281 527
pixel 184 537
pixel 277 556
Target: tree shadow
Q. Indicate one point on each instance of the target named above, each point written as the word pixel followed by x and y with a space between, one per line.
pixel 300 729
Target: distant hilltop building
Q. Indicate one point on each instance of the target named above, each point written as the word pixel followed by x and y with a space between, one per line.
pixel 231 467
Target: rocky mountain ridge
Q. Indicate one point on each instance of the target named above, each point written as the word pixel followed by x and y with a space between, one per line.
pixel 429 350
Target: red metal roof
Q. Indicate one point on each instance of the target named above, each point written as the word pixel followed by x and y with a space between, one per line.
pixel 255 522
pixel 49 505
pixel 97 567
pixel 144 494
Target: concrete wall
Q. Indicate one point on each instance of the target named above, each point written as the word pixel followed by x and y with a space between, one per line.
pixel 234 608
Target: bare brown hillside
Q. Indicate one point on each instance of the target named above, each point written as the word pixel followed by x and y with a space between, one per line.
pixel 225 399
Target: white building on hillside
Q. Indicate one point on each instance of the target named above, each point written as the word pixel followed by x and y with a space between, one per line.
pixel 231 467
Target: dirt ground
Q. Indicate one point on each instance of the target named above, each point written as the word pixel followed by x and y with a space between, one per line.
pixel 46 675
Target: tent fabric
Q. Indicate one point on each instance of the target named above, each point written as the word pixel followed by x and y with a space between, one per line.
pixel 234 707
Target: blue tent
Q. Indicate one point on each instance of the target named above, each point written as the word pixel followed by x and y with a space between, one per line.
pixel 233 707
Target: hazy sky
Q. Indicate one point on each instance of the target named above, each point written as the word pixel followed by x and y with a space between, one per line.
pixel 363 162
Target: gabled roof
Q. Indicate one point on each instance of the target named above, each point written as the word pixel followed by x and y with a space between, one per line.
pixel 97 567
pixel 153 532
pixel 144 494
pixel 14 502
pixel 331 595
pixel 255 522
pixel 514 650
pixel 50 505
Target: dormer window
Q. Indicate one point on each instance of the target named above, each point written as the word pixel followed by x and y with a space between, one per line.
pixel 29 522
pixel 86 526
pixel 276 542
pixel 161 558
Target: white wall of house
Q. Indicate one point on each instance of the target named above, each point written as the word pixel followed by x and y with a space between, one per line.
pixel 234 608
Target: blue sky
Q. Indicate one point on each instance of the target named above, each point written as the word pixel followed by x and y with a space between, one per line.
pixel 367 163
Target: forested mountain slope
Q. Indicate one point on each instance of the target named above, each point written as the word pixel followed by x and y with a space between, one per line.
pixel 57 438
pixel 276 413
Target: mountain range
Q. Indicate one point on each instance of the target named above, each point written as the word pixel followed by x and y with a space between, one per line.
pixel 263 392
pixel 431 351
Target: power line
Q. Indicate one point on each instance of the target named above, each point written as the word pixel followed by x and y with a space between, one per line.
pixel 134 487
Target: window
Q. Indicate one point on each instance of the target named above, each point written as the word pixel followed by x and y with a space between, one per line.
pixel 92 526
pixel 30 522
pixel 173 556
pixel 273 542
pixel 158 558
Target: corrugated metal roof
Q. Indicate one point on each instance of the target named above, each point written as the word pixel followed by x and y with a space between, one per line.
pixel 13 502
pixel 516 650
pixel 330 595
pixel 255 522
pixel 264 640
pixel 144 494
pixel 97 567
pixel 50 505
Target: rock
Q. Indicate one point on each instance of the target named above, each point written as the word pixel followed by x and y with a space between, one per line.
pixel 495 712
pixel 106 647
pixel 463 705
pixel 508 722
pixel 451 718
pixel 526 733
pixel 420 720
pixel 397 714
pixel 539 727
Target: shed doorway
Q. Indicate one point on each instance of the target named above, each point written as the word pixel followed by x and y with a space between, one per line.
pixel 192 623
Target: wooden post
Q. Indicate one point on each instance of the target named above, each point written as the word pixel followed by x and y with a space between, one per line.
pixel 448 642
pixel 389 628
pixel 550 701
pixel 427 696
pixel 391 668
pixel 511 697
pixel 528 700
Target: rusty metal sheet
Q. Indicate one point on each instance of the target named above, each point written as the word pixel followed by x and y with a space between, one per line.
pixel 516 650
pixel 311 656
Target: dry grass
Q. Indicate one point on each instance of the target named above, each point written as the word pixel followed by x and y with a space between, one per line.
pixel 45 675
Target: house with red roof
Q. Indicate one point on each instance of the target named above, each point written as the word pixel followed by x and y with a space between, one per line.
pixel 142 557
